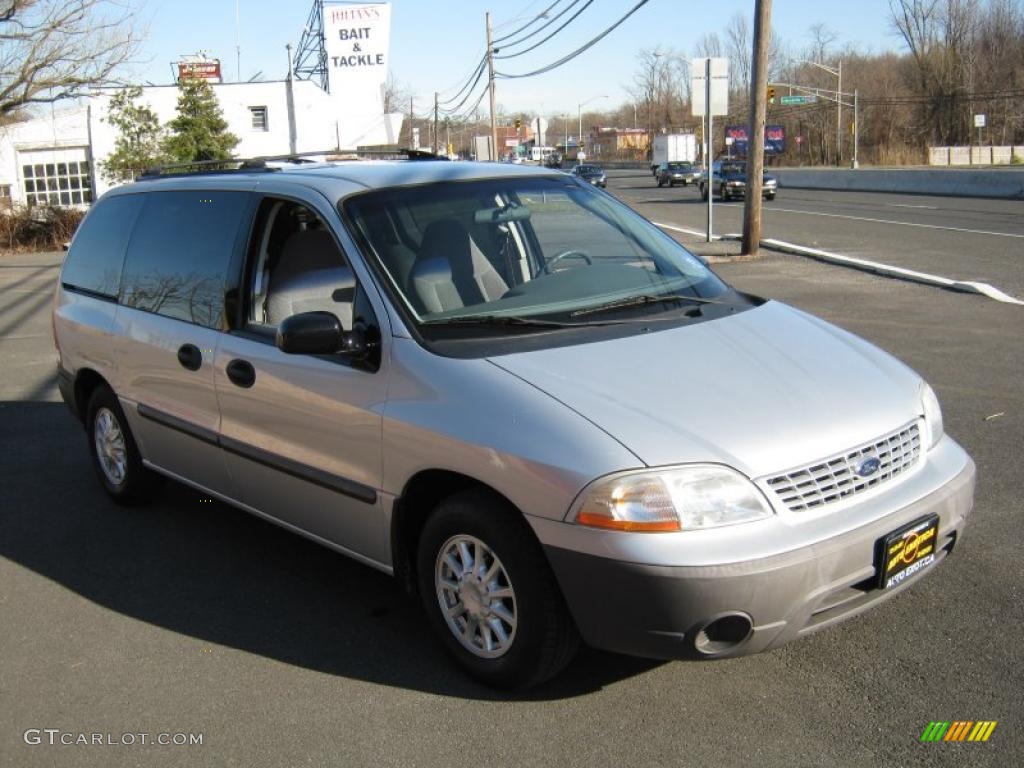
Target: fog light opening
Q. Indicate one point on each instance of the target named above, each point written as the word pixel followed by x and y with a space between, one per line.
pixel 723 634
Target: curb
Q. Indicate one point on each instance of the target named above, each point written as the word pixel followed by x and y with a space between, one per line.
pixel 865 265
pixel 964 286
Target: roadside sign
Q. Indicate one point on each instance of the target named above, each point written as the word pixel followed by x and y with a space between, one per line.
pixel 788 100
pixel 719 86
pixel 979 121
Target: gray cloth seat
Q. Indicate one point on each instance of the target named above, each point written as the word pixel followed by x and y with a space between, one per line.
pixel 451 271
pixel 310 276
pixel 397 257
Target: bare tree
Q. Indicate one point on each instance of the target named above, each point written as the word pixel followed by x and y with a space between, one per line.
pixel 658 89
pixel 57 49
pixel 739 48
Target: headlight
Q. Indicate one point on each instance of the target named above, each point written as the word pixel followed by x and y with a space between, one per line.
pixel 932 415
pixel 671 499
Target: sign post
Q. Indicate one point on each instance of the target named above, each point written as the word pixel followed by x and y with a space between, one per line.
pixel 710 89
pixel 979 123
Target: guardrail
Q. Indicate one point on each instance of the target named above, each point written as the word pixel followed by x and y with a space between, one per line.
pixel 1006 183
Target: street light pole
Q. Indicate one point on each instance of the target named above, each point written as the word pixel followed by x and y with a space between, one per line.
pixel 579 110
pixel 837 73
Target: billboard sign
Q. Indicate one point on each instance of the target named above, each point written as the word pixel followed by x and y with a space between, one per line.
pixel 774 139
pixel 199 69
pixel 357 40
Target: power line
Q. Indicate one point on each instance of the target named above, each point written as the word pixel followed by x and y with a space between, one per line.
pixel 578 51
pixel 470 83
pixel 543 27
pixel 515 32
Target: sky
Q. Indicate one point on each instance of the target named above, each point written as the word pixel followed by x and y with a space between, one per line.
pixel 435 45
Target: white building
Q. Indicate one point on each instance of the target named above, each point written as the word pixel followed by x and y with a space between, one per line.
pixel 56 158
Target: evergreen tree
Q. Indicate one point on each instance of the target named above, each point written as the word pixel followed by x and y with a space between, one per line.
pixel 199 132
pixel 138 145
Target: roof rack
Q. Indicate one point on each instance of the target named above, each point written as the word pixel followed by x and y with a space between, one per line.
pixel 260 164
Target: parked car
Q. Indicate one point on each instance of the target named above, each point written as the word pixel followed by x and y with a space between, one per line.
pixel 729 180
pixel 593 174
pixel 536 410
pixel 677 173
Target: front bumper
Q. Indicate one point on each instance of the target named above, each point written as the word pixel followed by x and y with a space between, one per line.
pixel 667 612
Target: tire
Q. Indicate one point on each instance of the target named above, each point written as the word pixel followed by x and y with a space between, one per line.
pixel 723 193
pixel 660 184
pixel 770 196
pixel 671 184
pixel 115 455
pixel 542 640
pixel 703 192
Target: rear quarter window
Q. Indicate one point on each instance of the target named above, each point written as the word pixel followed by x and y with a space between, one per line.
pixel 96 257
pixel 180 254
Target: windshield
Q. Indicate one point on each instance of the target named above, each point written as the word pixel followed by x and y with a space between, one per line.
pixel 679 166
pixel 541 248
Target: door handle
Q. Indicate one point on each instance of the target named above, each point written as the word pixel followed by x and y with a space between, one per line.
pixel 241 373
pixel 190 357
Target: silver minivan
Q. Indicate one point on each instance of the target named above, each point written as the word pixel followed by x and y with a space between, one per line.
pixel 539 412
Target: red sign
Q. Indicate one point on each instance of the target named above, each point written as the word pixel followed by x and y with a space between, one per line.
pixel 199 70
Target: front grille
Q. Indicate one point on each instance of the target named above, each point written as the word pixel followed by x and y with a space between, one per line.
pixel 836 478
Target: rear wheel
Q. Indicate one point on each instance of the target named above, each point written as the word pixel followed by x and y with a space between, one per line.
pixel 770 196
pixel 490 595
pixel 660 183
pixel 703 192
pixel 115 456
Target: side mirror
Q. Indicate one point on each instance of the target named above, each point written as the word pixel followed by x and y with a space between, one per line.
pixel 320 333
pixel 310 333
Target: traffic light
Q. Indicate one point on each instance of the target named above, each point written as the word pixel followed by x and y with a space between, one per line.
pixel 519 123
pixel 771 94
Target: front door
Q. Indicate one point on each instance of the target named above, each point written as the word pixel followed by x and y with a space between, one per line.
pixel 302 433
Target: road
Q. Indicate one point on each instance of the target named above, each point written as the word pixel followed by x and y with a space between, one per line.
pixel 955 237
pixel 189 616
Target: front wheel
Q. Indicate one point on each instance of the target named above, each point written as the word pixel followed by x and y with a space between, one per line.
pixel 770 196
pixel 490 595
pixel 723 193
pixel 703 192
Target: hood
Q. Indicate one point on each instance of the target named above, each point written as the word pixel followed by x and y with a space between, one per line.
pixel 765 390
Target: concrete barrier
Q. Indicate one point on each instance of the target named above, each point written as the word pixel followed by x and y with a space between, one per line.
pixel 956 182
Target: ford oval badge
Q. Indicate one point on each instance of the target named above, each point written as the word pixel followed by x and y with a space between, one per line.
pixel 868 467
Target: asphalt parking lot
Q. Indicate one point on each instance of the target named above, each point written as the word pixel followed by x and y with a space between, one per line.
pixel 191 617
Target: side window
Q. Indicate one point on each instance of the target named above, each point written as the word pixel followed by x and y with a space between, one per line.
pixel 97 252
pixel 296 266
pixel 180 253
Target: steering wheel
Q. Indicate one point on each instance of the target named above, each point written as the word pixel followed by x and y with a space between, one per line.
pixel 565 255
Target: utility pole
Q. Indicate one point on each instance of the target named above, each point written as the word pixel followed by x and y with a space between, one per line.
pixel 490 76
pixel 839 115
pixel 755 137
pixel 435 122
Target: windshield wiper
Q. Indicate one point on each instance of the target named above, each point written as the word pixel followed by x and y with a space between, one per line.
pixel 637 301
pixel 500 320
